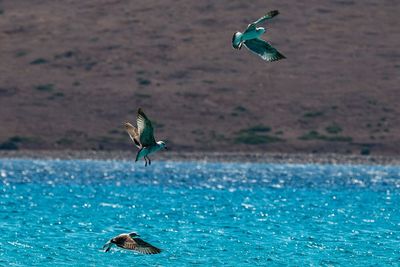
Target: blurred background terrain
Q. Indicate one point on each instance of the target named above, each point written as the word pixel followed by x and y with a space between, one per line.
pixel 73 71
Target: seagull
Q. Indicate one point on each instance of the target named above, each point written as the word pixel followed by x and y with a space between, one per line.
pixel 250 39
pixel 131 241
pixel 143 137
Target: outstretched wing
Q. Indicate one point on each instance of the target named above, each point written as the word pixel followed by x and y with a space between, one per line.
pixel 137 244
pixel 144 247
pixel 145 128
pixel 127 242
pixel 133 133
pixel 269 15
pixel 252 26
pixel 263 49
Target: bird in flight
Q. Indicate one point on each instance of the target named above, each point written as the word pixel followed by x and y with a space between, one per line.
pixel 131 241
pixel 143 137
pixel 250 39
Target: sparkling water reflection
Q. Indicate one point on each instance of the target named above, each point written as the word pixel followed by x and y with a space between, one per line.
pixel 234 214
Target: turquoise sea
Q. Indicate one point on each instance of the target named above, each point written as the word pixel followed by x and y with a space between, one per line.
pixel 61 212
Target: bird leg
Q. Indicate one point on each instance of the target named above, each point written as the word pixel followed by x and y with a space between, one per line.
pixel 145 160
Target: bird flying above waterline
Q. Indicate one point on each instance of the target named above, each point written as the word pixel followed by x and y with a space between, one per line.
pixel 250 39
pixel 131 241
pixel 143 137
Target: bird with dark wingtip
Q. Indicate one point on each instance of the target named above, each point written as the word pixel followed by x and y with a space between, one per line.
pixel 131 241
pixel 143 137
pixel 250 39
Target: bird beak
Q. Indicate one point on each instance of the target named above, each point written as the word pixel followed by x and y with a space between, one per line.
pixel 107 246
pixel 238 47
pixel 166 148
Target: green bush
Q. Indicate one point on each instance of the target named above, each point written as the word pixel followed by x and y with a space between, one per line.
pixel 45 87
pixel 142 95
pixel 338 138
pixel 313 114
pixel 38 61
pixel 240 109
pixel 64 142
pixel 16 139
pixel 256 139
pixel 365 151
pixel 333 129
pixel 21 53
pixel 259 128
pixel 143 81
pixel 66 54
pixel 256 135
pixel 59 94
pixel 314 135
pixel 8 145
pixel 256 129
pixel 12 142
pixel 311 135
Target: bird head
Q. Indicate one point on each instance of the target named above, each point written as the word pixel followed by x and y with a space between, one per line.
pixel 162 144
pixel 133 234
pixel 237 40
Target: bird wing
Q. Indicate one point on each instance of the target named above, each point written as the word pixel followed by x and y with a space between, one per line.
pixel 263 49
pixel 137 244
pixel 251 27
pixel 144 247
pixel 267 16
pixel 133 134
pixel 146 135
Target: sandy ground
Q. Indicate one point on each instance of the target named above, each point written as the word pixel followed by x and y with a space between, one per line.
pixel 73 71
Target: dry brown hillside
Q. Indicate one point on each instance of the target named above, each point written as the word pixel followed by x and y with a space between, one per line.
pixel 73 71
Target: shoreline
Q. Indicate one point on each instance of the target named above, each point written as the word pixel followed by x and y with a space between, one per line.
pixel 294 158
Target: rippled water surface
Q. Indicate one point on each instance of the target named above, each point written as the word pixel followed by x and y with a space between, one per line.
pixel 61 213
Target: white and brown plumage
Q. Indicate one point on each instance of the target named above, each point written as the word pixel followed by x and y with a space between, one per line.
pixel 131 241
pixel 143 137
pixel 250 38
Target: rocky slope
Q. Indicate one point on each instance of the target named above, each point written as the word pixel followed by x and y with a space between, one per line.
pixel 73 71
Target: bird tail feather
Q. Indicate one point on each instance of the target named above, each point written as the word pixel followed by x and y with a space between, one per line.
pixel 137 155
